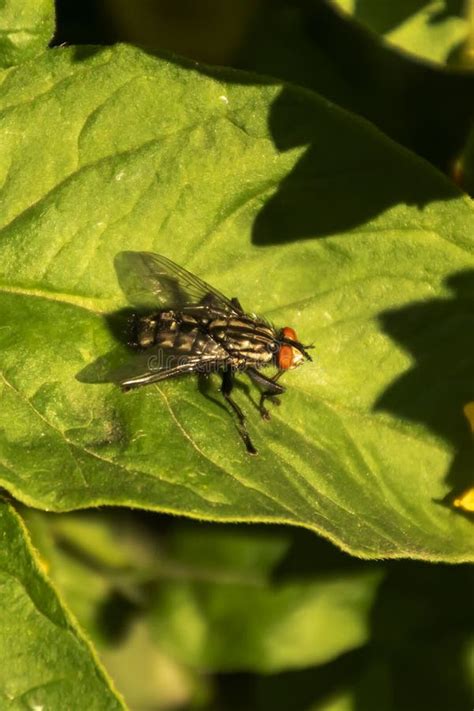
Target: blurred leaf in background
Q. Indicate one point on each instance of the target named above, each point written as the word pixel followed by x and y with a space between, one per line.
pixel 432 30
pixel 189 599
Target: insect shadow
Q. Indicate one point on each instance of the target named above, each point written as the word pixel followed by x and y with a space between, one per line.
pixel 119 324
pixel 434 392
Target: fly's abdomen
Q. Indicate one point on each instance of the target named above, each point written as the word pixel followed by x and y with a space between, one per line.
pixel 147 329
pixel 178 334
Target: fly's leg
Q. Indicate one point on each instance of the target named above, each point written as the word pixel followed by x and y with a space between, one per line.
pixel 227 385
pixel 269 389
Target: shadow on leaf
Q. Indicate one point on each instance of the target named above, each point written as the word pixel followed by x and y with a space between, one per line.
pixel 343 180
pixel 434 392
pixel 119 323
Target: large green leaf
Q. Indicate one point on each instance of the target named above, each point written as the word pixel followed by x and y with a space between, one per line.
pixel 304 212
pixel 26 28
pixel 45 661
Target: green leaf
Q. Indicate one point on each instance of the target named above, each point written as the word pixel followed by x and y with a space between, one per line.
pixel 430 29
pixel 228 550
pixel 307 214
pixel 223 626
pixel 214 598
pixel 26 28
pixel 151 680
pixel 216 610
pixel 46 662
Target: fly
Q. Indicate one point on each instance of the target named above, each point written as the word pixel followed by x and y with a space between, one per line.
pixel 186 326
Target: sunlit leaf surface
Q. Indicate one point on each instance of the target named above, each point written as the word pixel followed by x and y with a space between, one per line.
pixel 307 214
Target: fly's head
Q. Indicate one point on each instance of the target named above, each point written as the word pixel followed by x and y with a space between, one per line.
pixel 291 353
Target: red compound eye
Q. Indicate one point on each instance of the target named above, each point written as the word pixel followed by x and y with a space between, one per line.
pixel 285 357
pixel 286 354
pixel 289 333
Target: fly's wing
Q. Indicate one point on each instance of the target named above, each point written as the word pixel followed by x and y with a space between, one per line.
pixel 153 281
pixel 161 362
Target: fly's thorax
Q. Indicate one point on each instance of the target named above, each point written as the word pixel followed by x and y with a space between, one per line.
pixel 247 340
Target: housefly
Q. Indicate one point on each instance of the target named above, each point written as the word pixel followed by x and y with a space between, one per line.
pixel 183 325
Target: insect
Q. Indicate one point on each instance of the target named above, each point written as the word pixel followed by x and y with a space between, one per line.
pixel 183 325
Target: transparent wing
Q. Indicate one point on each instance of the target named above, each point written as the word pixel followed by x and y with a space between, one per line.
pixel 151 280
pixel 160 363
